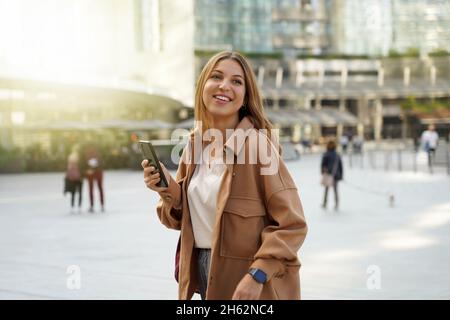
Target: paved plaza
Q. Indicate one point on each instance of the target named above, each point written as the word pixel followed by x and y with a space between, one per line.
pixel 374 247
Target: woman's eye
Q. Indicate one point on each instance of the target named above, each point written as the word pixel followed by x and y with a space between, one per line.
pixel 215 76
pixel 239 82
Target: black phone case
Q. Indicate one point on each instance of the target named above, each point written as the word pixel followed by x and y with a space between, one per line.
pixel 149 153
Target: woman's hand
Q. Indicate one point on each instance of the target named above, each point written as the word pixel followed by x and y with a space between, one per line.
pixel 151 178
pixel 248 289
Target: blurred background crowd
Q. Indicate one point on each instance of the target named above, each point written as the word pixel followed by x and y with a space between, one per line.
pixel 113 72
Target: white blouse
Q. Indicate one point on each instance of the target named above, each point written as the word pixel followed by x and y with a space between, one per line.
pixel 202 197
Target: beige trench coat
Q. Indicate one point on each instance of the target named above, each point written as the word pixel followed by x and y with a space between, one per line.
pixel 259 223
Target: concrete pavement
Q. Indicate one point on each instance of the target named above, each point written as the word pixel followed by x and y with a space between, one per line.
pixel 366 250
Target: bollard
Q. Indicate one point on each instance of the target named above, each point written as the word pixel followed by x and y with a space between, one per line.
pixel 448 158
pixel 399 159
pixel 430 162
pixel 371 162
pixel 391 200
pixel 350 158
pixel 385 161
pixel 362 160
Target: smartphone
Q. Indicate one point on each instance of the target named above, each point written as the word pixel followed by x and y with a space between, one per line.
pixel 149 153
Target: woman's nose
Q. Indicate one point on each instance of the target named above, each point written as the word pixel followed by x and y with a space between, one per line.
pixel 224 85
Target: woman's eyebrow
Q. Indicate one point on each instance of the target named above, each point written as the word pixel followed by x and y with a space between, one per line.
pixel 234 75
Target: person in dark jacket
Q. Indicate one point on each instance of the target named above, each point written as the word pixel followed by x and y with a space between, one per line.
pixel 74 179
pixel 332 165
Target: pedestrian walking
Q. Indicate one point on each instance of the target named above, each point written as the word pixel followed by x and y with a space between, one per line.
pixel 94 174
pixel 357 144
pixel 74 179
pixel 332 172
pixel 344 141
pixel 430 140
pixel 241 226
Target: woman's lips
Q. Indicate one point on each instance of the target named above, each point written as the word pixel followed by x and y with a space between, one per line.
pixel 220 102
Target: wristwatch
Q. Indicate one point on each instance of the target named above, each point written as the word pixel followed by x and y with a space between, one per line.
pixel 259 275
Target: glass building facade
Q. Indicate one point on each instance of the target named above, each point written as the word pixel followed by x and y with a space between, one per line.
pixel 226 24
pixel 421 24
pixel 252 21
pixel 374 27
pixel 213 24
pixel 261 25
pixel 361 27
pixel 300 26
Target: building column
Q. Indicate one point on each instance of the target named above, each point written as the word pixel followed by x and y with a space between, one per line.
pixel 342 104
pixel 317 128
pixel 380 79
pixel 307 131
pixel 307 102
pixel 344 77
pixel 299 79
pixel 339 131
pixel 298 103
pixel 316 131
pixel 276 103
pixel 261 71
pixel 318 102
pixel 296 133
pixel 433 75
pixel 362 112
pixel 279 78
pixel 406 76
pixel 340 127
pixel 378 121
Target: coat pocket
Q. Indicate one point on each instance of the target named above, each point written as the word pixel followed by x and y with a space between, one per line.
pixel 243 220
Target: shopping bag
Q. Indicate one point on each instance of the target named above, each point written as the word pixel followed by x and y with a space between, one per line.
pixel 327 180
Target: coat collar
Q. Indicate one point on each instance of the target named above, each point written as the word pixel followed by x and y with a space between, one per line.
pixel 244 127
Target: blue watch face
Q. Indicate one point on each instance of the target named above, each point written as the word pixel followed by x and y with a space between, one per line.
pixel 258 275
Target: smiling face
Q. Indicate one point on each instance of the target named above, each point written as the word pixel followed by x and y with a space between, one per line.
pixel 224 91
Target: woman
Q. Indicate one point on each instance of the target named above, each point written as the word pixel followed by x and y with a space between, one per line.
pixel 331 165
pixel 74 178
pixel 241 226
pixel 94 173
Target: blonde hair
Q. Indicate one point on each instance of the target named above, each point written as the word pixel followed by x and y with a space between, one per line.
pixel 253 105
pixel 73 157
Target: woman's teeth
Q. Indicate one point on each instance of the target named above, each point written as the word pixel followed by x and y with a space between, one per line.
pixel 222 98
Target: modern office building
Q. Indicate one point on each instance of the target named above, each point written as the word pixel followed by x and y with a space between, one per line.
pixel 421 24
pixel 261 26
pixel 372 27
pixel 365 91
pixel 375 27
pixel 229 24
pixel 300 27
pixel 361 27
